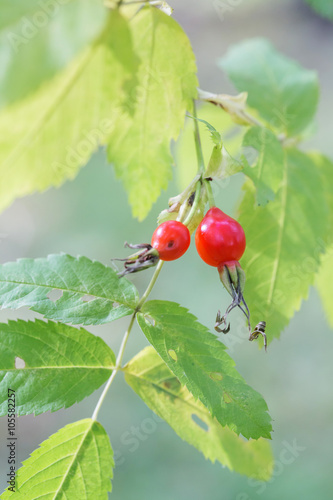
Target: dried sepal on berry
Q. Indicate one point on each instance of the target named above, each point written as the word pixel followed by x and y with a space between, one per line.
pixel 146 257
pixel 232 277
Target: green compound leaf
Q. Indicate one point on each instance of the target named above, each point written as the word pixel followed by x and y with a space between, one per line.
pixel 267 170
pixel 47 137
pixel 200 362
pixel 75 463
pixel 283 243
pixel 63 365
pixel 284 93
pixel 139 146
pixel 323 7
pixel 38 38
pixel 152 380
pixel 92 294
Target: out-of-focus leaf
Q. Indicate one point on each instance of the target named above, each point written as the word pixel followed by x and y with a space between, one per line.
pixel 323 7
pixel 47 137
pixel 139 146
pixel 266 171
pixel 283 243
pixel 39 37
pixel 152 380
pixel 324 281
pixel 284 93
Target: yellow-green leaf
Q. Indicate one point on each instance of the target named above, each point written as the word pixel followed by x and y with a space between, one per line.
pixel 47 137
pixel 152 380
pixel 139 145
pixel 75 463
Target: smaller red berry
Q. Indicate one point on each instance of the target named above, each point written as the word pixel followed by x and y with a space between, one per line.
pixel 171 239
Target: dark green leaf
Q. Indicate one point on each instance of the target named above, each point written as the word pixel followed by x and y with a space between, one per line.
pixel 200 362
pixel 90 293
pixel 62 365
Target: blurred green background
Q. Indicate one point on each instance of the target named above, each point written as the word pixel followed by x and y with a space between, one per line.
pixel 90 216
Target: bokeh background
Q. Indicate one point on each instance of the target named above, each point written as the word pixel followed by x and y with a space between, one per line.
pixel 90 216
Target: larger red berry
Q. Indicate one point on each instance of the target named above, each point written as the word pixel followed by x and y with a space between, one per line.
pixel 219 238
pixel 171 239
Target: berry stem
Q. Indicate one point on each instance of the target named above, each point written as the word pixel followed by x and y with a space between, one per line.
pixel 150 286
pixel 201 163
pixel 210 195
pixel 195 203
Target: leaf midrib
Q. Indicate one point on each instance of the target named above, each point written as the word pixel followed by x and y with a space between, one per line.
pixel 86 292
pixel 281 231
pixel 66 367
pixel 169 392
pixel 71 462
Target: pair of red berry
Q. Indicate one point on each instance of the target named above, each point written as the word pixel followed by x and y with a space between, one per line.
pixel 220 242
pixel 218 239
